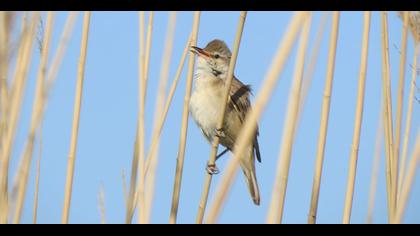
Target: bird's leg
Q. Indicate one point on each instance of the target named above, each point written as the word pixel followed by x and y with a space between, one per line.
pixel 222 153
pixel 212 168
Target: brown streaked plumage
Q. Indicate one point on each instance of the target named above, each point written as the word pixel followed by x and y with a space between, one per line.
pixel 206 101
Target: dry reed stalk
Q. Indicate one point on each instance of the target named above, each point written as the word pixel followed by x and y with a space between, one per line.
pixel 130 197
pixel 150 187
pixel 163 117
pixel 4 64
pixel 76 119
pixel 139 141
pixel 414 24
pixel 408 120
pixel 159 109
pixel 39 135
pixel 142 103
pixel 408 182
pixel 61 51
pixel 167 105
pixel 184 126
pixel 124 187
pixel 14 107
pixel 148 49
pixel 357 121
pixel 13 87
pixel 101 203
pixel 375 167
pixel 37 177
pixel 139 144
pixel 324 119
pixel 5 28
pixel 39 106
pixel 309 72
pixel 130 202
pixel 35 120
pixel 255 114
pixel 220 121
pixel 386 86
pixel 400 99
pixel 289 128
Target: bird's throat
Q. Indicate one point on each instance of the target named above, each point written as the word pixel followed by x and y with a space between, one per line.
pixel 215 72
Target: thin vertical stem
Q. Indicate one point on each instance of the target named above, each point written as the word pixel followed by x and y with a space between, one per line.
pixel 37 177
pixel 41 94
pixel 38 106
pixel 166 61
pixel 101 203
pixel 138 158
pixel 358 120
pixel 250 124
pixel 289 129
pixel 311 64
pixel 183 135
pixel 408 119
pixel 162 120
pixel 61 50
pixel 220 121
pixel 408 182
pixel 5 32
pixel 76 119
pixel 14 107
pixel 386 87
pixel 124 186
pixel 167 105
pixel 324 118
pixel 140 131
pixel 400 99
pixel 375 167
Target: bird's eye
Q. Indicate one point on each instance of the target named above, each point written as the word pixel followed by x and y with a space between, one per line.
pixel 216 56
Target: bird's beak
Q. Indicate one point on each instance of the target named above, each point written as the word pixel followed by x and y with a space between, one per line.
pixel 200 51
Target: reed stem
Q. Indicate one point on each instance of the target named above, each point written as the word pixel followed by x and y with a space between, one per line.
pixel 184 126
pixel 289 127
pixel 76 119
pixel 357 121
pixel 220 121
pixel 324 119
pixel 386 87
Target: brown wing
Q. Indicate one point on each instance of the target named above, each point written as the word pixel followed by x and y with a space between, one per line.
pixel 239 100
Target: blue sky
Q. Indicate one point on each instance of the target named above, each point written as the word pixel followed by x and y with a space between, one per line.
pixel 109 114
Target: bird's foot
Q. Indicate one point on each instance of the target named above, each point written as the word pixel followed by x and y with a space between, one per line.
pixel 212 169
pixel 220 133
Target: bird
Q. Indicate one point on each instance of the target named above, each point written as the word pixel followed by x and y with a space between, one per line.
pixel 206 103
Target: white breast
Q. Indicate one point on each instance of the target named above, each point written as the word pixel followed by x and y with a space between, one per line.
pixel 205 104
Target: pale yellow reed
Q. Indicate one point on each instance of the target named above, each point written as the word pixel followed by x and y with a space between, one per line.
pixel 254 115
pixel 220 121
pixel 289 129
pixel 324 118
pixel 76 119
pixel 159 109
pixel 357 121
pixel 184 126
pixel 387 100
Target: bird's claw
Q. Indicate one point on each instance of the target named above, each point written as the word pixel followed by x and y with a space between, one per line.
pixel 212 169
pixel 220 133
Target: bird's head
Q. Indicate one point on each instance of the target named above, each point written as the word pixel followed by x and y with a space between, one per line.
pixel 214 58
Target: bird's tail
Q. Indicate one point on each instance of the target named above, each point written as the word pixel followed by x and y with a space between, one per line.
pixel 248 168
